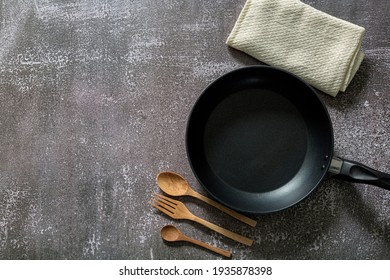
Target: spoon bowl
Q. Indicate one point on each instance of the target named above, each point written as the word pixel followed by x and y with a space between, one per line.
pixel 173 183
pixel 170 233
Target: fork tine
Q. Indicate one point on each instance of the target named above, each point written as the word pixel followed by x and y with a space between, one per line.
pixel 166 204
pixel 165 211
pixel 165 200
pixel 175 202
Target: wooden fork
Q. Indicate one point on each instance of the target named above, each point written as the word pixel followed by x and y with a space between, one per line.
pixel 177 210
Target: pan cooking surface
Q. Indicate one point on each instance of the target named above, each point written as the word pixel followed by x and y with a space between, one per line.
pixel 259 139
pixel 255 131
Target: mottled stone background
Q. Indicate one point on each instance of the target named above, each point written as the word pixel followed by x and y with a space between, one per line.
pixel 94 98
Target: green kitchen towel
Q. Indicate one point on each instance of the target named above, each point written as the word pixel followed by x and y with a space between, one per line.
pixel 323 50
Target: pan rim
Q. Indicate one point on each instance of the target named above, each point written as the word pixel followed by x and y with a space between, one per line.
pixel 201 180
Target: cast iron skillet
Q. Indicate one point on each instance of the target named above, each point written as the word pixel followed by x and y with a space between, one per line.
pixel 260 140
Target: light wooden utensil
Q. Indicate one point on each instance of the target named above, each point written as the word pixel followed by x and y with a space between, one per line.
pixel 177 210
pixel 172 234
pixel 175 185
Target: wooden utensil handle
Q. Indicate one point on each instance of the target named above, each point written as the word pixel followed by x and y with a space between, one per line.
pixel 226 210
pixel 235 236
pixel 222 252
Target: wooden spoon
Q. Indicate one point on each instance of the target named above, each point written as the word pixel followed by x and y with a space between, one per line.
pixel 175 185
pixel 172 234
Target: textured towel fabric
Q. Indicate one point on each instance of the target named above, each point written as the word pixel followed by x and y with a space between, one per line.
pixel 321 49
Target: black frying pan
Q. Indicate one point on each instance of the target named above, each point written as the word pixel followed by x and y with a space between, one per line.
pixel 260 140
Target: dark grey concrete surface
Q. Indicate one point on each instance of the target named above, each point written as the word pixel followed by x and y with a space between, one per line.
pixel 94 98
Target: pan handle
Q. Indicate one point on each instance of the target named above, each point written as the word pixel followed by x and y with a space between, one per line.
pixel 352 171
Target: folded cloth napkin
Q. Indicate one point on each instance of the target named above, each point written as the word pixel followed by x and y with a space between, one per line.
pixel 321 49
